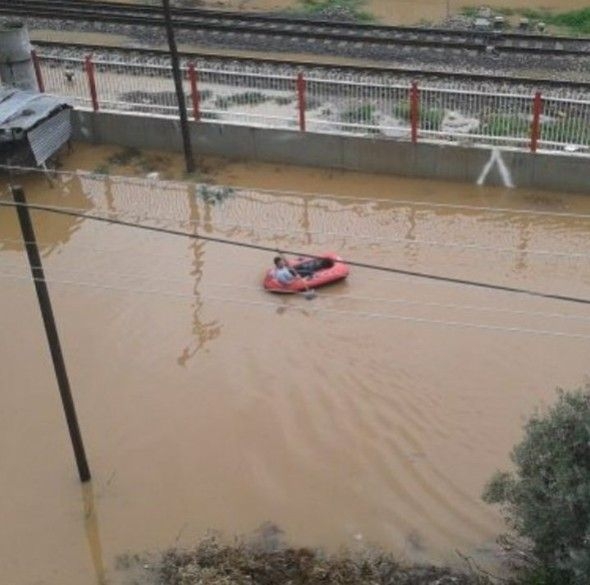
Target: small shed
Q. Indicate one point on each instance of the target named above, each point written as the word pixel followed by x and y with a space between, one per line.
pixel 33 126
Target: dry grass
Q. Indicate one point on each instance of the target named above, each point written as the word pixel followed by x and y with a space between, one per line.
pixel 265 561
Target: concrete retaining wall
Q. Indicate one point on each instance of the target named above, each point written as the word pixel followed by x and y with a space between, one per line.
pixel 556 172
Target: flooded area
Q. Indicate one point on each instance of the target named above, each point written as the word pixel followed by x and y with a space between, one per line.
pixel 373 414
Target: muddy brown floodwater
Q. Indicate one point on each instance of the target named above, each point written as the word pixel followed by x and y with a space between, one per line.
pixel 373 414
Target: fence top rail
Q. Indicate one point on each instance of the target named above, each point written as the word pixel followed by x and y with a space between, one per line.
pixel 550 98
pixel 311 78
pixel 239 73
pixel 445 90
pixel 112 63
pixel 42 57
pixel 102 62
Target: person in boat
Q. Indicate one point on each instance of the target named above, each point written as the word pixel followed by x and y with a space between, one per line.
pixel 285 274
pixel 282 273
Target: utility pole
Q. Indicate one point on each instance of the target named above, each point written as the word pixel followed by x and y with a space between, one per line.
pixel 186 139
pixel 28 234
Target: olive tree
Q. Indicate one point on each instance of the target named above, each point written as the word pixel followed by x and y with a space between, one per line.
pixel 547 497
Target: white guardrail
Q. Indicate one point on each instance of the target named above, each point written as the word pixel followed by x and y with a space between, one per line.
pixel 338 106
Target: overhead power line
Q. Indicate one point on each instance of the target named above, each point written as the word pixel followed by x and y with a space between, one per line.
pixel 247 245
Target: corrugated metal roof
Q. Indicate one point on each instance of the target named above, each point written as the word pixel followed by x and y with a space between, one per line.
pixel 22 110
pixel 50 135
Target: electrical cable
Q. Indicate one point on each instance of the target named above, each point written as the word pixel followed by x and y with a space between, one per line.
pixel 251 246
pixel 368 239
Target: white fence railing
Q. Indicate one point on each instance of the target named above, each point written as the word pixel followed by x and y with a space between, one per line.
pixel 340 106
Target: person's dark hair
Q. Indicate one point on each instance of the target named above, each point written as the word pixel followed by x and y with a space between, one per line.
pixel 277 260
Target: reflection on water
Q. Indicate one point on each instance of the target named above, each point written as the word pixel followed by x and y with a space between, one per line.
pixel 371 414
pixel 203 331
pixel 92 533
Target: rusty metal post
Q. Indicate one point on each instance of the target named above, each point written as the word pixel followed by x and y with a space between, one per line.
pixel 536 123
pixel 38 72
pixel 414 111
pixel 301 88
pixel 89 67
pixel 195 97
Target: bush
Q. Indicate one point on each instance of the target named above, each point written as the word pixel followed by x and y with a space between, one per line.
pixel 507 125
pixel 246 98
pixel 337 10
pixel 570 130
pixel 268 563
pixel 431 119
pixel 364 114
pixel 401 110
pixel 547 498
pixel 576 20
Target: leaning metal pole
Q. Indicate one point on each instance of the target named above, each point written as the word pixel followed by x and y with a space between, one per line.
pixel 186 139
pixel 59 365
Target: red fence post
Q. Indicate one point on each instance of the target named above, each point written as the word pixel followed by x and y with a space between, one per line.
pixel 301 100
pixel 195 98
pixel 414 111
pixel 89 66
pixel 38 73
pixel 536 123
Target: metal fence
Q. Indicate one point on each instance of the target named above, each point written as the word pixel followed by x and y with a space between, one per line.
pixel 338 106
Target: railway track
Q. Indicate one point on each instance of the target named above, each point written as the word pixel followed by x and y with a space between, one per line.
pixel 143 55
pixel 308 33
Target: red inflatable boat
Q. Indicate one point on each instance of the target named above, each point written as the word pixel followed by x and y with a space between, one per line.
pixel 315 272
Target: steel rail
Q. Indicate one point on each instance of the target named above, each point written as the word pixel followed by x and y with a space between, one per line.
pixel 267 25
pixel 326 65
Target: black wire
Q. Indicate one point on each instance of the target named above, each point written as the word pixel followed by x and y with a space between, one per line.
pixel 368 266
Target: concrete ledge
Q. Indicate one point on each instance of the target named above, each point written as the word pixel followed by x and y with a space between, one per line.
pixel 556 172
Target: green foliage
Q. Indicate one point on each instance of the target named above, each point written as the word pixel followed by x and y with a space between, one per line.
pixel 401 110
pixel 469 11
pixel 573 21
pixel 535 14
pixel 547 498
pixel 345 10
pixel 569 130
pixel 363 114
pixel 541 576
pixel 506 125
pixel 431 119
pixel 249 98
pixel 576 20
